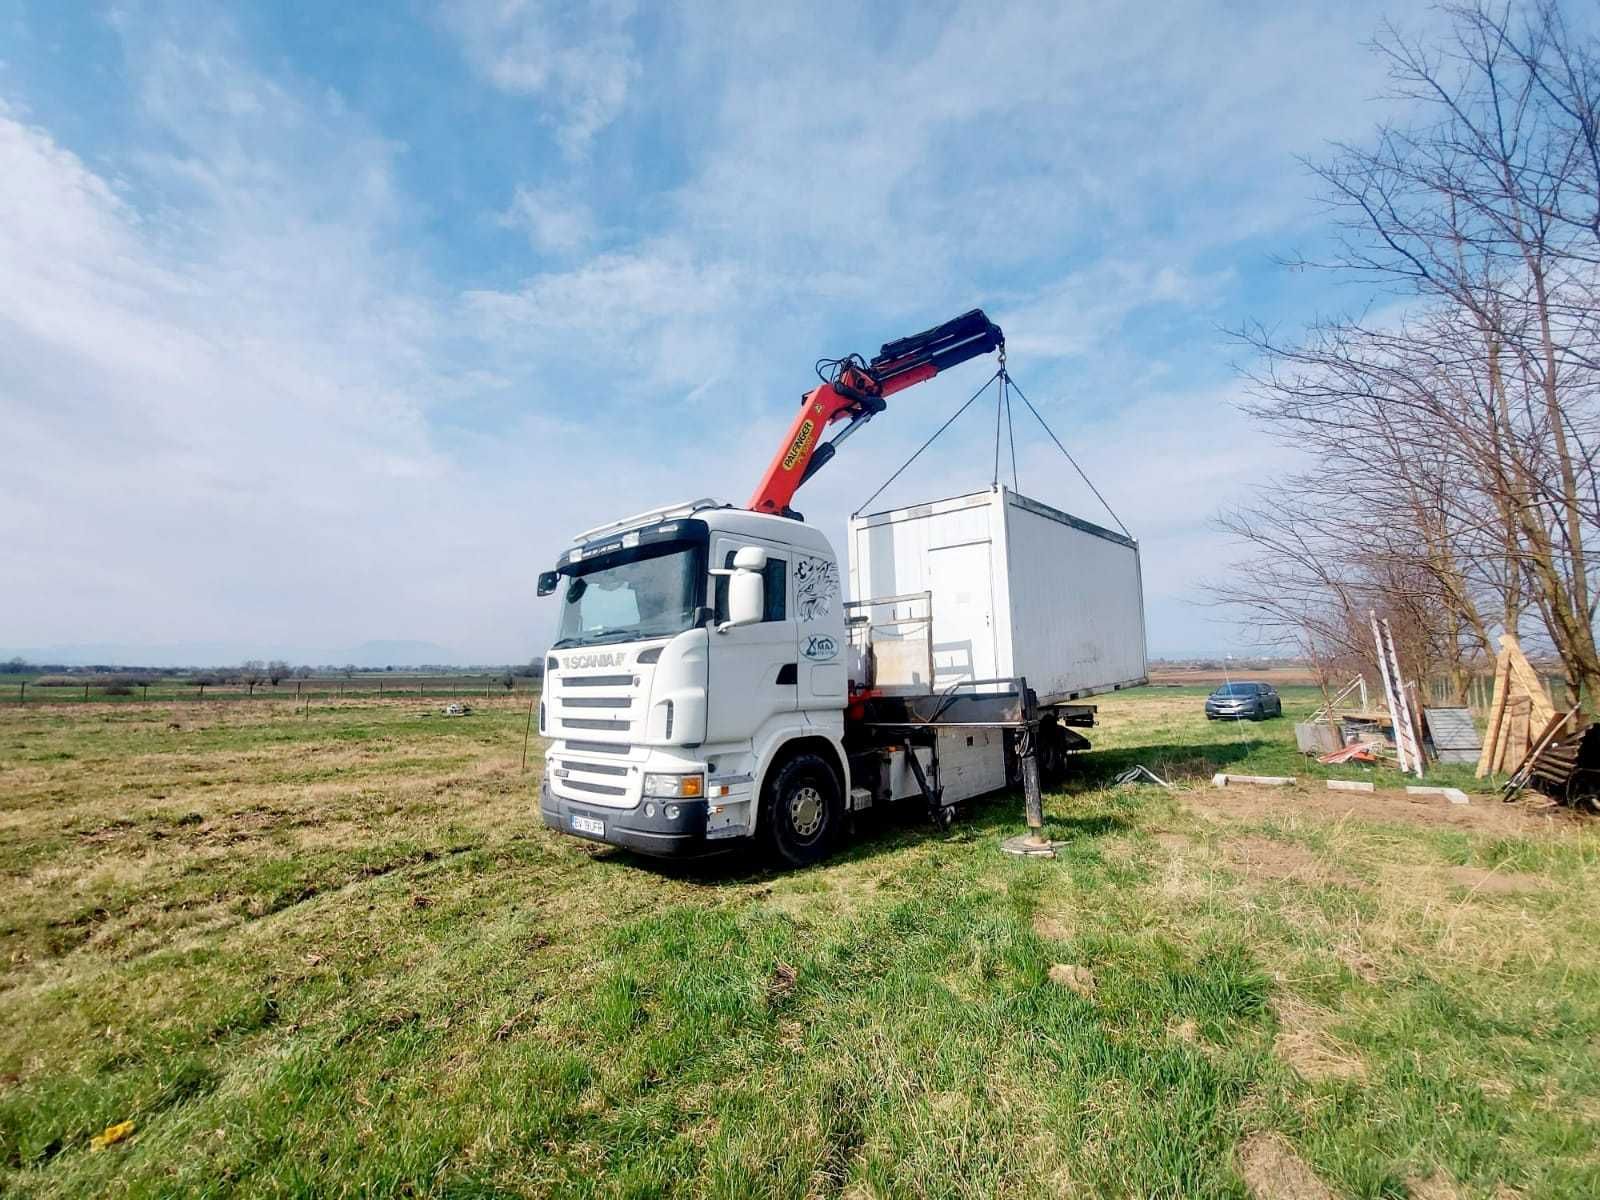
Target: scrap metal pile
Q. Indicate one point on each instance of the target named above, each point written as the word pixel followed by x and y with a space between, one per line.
pixel 1555 753
pixel 1401 734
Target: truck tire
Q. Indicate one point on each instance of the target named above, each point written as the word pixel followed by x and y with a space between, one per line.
pixel 802 811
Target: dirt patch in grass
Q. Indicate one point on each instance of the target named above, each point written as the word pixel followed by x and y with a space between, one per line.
pixel 1074 978
pixel 1483 813
pixel 1362 965
pixel 1183 880
pixel 1266 858
pixel 1273 1171
pixel 1051 927
pixel 1493 882
pixel 1438 1186
pixel 1304 1043
pixel 1187 1030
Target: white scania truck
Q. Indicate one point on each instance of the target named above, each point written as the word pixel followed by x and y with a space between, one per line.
pixel 710 684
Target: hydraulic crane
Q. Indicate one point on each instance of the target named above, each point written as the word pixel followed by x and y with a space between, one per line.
pixel 710 683
pixel 854 390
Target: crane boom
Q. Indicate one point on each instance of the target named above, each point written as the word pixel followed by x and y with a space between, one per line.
pixel 856 391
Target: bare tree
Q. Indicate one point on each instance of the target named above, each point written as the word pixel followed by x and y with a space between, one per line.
pixel 1466 422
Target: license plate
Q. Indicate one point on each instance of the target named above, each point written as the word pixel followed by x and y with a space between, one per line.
pixel 589 825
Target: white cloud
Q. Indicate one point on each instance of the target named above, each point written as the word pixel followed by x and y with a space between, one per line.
pixel 656 317
pixel 577 60
pixel 553 223
pixel 221 422
pixel 1085 311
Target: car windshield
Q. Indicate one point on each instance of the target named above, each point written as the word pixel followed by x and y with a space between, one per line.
pixel 1235 689
pixel 652 591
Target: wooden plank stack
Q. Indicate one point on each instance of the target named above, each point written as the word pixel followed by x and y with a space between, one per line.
pixel 1520 714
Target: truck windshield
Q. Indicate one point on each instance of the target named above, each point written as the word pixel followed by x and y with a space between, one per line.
pixel 650 591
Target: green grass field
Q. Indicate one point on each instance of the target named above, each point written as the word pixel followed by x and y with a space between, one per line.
pixel 334 954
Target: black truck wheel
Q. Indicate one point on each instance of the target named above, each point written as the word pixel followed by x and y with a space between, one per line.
pixel 802 811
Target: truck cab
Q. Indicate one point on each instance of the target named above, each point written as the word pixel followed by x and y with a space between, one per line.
pixel 699 649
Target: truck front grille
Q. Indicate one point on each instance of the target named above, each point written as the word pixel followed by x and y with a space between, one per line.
pixel 608 707
pixel 592 768
pixel 600 789
pixel 597 726
pixel 597 747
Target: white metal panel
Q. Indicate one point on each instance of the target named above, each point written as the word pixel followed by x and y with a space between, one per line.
pixel 1076 603
pixel 903 782
pixel 972 762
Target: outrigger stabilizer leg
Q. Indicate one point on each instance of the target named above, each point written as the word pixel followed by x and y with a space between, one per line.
pixel 1032 844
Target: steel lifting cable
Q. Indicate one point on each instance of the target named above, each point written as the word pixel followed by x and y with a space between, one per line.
pixel 1072 460
pixel 927 443
pixel 1002 408
pixel 1011 430
pixel 999 412
pixel 1002 413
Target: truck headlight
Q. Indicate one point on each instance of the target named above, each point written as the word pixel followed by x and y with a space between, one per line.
pixel 676 787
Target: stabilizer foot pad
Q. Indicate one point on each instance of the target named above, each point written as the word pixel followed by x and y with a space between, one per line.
pixel 1027 846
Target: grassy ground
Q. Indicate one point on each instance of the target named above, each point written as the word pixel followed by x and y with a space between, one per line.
pixel 333 954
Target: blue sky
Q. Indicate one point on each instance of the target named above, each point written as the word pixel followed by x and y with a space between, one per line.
pixel 325 324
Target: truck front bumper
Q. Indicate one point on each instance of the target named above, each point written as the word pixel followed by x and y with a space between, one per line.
pixel 636 828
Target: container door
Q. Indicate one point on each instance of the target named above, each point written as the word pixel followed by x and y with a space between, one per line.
pixel 963 613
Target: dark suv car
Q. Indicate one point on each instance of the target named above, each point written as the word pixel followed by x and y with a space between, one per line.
pixel 1236 701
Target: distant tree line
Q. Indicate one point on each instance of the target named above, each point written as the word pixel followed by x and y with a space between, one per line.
pixel 251 673
pixel 1451 433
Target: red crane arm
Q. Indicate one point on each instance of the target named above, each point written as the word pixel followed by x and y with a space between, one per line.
pixel 856 391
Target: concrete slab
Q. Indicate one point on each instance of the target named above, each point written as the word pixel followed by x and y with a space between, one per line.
pixel 1454 795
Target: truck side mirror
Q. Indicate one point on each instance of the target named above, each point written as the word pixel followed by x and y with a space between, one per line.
pixel 746 588
pixel 547 582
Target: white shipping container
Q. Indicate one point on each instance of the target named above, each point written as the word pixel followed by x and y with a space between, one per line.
pixel 1017 588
